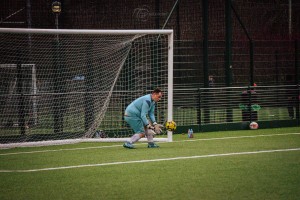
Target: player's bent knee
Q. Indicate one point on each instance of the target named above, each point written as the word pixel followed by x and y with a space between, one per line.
pixel 142 135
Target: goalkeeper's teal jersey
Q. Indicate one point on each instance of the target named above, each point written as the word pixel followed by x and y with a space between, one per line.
pixel 141 107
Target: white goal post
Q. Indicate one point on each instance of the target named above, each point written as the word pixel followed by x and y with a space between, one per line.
pixel 83 81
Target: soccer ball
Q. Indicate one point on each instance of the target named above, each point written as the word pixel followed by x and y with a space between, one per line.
pixel 171 126
pixel 253 125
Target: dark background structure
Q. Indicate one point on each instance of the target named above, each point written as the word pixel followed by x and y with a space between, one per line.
pixel 272 25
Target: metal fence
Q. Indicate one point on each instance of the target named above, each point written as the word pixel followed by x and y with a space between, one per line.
pixel 225 105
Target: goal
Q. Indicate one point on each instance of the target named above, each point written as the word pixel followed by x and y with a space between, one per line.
pixel 79 83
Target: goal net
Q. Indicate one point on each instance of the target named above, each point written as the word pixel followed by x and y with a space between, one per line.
pixel 79 82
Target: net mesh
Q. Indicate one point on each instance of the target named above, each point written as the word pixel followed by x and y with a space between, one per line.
pixel 76 85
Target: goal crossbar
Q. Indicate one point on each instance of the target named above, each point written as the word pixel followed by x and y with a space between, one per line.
pixel 84 31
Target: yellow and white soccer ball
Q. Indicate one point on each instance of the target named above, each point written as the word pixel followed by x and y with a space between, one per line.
pixel 253 125
pixel 170 126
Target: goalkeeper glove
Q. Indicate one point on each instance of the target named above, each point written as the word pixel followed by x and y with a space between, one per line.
pixel 157 128
pixel 149 126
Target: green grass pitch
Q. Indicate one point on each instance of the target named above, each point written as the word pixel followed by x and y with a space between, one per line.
pixel 257 164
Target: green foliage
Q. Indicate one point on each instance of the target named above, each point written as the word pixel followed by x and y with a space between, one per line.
pixel 274 175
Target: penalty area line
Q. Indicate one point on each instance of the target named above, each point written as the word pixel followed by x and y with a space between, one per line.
pixel 150 160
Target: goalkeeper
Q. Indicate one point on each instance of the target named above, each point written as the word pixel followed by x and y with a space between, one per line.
pixel 136 116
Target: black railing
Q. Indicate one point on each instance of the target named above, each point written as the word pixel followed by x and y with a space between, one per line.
pixel 211 105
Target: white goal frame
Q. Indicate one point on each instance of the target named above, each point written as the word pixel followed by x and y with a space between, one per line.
pixel 169 32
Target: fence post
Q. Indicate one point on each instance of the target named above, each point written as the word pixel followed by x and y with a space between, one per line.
pixel 228 54
pixel 21 98
pixel 89 83
pixel 298 105
pixel 199 109
pixel 205 43
pixel 297 80
pixel 251 63
pixel 276 68
pixel 297 61
pixel 250 102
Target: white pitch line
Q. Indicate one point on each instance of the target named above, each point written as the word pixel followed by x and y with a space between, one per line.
pixel 190 140
pixel 147 161
pixel 240 137
pixel 54 150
